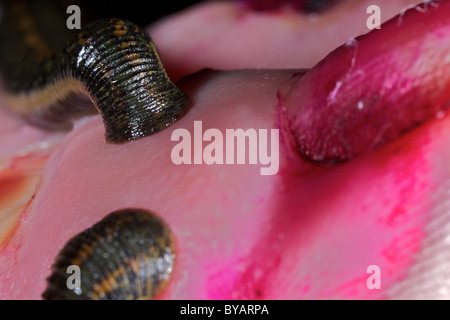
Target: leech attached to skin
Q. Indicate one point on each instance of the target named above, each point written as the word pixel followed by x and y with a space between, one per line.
pixel 128 255
pixel 112 61
pixel 364 95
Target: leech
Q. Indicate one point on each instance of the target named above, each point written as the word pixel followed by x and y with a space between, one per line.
pixel 112 61
pixel 128 255
pixel 372 90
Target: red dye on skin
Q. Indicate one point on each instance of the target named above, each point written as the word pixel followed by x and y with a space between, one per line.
pixel 306 6
pixel 265 5
pixel 5 244
pixel 14 178
pixel 18 183
pixel 401 249
pixel 11 186
pixel 255 282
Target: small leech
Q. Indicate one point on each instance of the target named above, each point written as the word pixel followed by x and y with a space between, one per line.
pixel 111 61
pixel 128 255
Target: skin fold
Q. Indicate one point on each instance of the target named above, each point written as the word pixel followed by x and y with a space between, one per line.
pixel 311 230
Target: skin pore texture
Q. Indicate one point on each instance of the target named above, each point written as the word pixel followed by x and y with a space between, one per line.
pixel 309 231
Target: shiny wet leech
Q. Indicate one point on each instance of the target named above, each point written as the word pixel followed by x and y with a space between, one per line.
pixel 111 61
pixel 128 255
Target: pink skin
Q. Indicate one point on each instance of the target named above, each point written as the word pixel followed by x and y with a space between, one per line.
pixel 308 232
pixel 221 35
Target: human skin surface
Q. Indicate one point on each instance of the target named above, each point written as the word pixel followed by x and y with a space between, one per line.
pixel 309 231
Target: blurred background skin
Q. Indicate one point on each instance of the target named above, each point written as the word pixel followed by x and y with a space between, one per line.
pixel 232 36
pixel 221 35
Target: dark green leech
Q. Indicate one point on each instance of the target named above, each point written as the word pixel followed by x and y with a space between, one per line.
pixel 127 255
pixel 112 61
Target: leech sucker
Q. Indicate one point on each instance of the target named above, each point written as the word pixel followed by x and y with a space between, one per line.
pixel 373 89
pixel 128 255
pixel 111 61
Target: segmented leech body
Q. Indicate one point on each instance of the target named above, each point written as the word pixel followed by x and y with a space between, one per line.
pixel 112 61
pixel 127 255
pixel 48 81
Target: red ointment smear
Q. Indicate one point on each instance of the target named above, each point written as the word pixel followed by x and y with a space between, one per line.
pixel 11 186
pixel 374 88
pixel 18 182
pixel 305 6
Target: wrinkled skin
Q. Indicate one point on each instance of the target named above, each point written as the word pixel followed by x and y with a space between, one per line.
pixel 310 231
